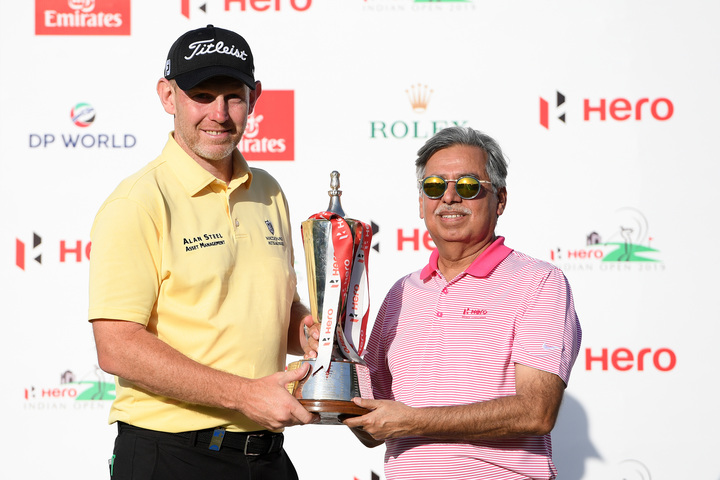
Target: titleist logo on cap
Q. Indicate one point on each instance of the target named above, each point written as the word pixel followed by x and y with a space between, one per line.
pixel 204 53
pixel 206 47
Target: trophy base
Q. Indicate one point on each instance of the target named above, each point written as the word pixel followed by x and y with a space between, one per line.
pixel 330 394
pixel 333 412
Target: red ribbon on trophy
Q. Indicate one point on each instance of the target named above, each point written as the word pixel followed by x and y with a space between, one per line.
pixel 344 314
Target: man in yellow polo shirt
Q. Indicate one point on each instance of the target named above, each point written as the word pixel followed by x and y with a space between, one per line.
pixel 192 288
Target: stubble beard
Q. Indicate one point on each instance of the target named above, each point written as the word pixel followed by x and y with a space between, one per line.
pixel 214 154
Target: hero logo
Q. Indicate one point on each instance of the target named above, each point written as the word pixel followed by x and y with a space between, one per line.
pixel 69 251
pixel 618 109
pixel 413 239
pixel 624 359
pixel 253 5
pixel 82 17
pixel 20 251
pixel 270 130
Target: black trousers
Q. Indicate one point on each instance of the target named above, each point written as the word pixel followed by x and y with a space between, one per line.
pixel 148 455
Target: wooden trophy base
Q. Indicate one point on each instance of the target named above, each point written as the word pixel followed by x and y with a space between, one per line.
pixel 333 412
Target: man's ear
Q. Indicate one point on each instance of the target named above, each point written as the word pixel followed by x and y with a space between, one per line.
pixel 166 93
pixel 254 95
pixel 502 200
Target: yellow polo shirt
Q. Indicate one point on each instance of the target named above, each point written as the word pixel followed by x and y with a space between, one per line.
pixel 207 267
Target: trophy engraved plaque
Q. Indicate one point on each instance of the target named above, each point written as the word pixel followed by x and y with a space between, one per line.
pixel 336 256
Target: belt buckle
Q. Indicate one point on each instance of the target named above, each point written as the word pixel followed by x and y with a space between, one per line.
pixel 247 442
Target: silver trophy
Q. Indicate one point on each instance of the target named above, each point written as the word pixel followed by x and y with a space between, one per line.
pixel 338 373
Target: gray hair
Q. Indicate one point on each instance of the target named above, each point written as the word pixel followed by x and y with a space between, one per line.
pixel 496 166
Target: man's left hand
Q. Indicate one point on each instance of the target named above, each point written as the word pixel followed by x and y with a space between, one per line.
pixel 387 419
pixel 309 337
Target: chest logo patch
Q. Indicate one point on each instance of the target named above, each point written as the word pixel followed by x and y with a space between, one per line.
pixel 203 241
pixel 272 239
pixel 474 313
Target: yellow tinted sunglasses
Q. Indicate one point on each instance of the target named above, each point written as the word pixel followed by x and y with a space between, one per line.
pixel 467 186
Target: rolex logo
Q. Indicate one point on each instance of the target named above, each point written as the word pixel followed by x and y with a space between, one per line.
pixel 419 96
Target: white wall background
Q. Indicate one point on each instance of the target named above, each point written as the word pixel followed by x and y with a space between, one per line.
pixel 649 410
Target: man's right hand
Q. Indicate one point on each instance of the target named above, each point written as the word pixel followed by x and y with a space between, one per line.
pixel 267 401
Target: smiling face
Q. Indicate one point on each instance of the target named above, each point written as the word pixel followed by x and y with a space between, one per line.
pixel 210 118
pixel 466 226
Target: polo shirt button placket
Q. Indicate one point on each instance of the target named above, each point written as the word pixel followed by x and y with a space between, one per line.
pixel 443 293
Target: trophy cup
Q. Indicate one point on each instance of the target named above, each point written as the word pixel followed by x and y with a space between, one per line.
pixel 336 254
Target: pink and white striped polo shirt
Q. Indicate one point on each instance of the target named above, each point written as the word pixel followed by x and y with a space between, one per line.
pixel 436 343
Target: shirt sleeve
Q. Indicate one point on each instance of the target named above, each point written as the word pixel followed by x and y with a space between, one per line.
pixel 548 333
pixel 125 263
pixel 376 356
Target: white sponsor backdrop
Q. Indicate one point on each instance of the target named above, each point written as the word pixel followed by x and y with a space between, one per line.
pixel 634 162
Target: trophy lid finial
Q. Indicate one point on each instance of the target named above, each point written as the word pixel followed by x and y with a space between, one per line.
pixel 335 193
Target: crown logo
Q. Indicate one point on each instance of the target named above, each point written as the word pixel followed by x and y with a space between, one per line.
pixel 419 96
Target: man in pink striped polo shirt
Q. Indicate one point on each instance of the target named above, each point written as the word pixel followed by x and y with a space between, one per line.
pixel 469 356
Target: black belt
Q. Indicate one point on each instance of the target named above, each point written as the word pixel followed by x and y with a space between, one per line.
pixel 250 443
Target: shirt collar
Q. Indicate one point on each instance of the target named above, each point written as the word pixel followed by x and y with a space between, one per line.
pixel 193 177
pixel 481 266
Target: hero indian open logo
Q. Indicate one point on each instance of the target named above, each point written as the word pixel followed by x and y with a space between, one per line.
pixel 623 244
pixel 82 17
pixel 270 130
pixel 89 391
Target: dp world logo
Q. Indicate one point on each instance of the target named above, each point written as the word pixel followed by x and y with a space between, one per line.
pixel 82 115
